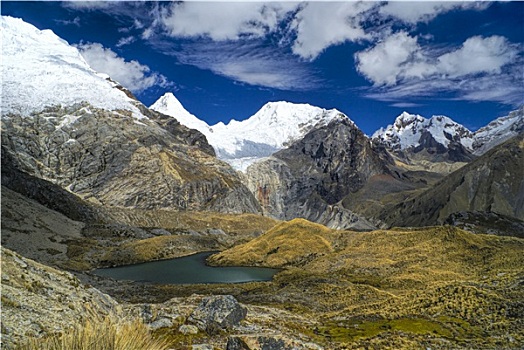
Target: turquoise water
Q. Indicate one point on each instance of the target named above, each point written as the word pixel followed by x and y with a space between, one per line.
pixel 187 270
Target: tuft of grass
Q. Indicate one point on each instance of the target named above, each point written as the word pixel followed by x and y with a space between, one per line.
pixel 108 334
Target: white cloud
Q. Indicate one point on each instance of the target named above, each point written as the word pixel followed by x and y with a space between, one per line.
pixel 224 20
pixel 478 55
pixel 319 25
pixel 397 57
pixel 406 105
pixel 125 41
pixel 249 63
pixel 75 21
pixel 480 69
pixel 240 20
pixel 424 11
pixel 131 74
pixel 89 5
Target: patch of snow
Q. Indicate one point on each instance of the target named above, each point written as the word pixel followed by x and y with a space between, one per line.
pixel 67 120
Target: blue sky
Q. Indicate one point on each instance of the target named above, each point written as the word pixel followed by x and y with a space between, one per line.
pixel 370 60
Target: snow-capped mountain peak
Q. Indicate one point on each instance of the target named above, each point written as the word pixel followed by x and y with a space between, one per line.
pixel 40 69
pixel 170 105
pixel 241 143
pixel 408 129
pixel 405 119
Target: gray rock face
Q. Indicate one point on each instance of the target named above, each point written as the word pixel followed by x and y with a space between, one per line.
pixel 217 313
pixel 116 160
pixel 312 176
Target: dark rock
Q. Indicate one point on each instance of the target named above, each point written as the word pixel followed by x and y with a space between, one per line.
pixel 314 174
pixel 218 313
pixel 487 222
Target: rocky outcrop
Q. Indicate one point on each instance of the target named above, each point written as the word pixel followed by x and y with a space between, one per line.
pixel 313 175
pixel 492 183
pixel 38 300
pixel 218 313
pixel 115 160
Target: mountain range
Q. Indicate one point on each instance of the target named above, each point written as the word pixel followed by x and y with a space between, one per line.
pixel 278 124
pixel 296 160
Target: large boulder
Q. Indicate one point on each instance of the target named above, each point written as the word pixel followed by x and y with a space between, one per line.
pixel 218 313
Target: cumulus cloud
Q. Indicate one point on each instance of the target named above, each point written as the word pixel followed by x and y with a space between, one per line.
pixel 319 25
pixel 480 69
pixel 222 20
pixel 400 57
pixel 423 11
pixel 131 74
pixel 308 28
pixel 397 57
pixel 477 55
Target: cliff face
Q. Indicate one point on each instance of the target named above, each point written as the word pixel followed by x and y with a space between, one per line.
pixel 314 174
pixel 115 160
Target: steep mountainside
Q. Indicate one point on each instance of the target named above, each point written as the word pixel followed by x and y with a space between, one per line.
pixel 492 183
pixel 498 131
pixel 275 126
pixel 309 178
pixel 88 135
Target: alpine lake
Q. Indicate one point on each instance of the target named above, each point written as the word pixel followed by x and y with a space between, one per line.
pixel 190 269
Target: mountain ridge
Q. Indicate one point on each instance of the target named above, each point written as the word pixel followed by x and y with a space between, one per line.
pixel 412 137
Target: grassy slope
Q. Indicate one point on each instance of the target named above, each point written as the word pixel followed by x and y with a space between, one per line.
pixel 393 288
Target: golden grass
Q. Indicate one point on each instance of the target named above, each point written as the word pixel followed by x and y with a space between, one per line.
pixel 107 334
pixel 288 243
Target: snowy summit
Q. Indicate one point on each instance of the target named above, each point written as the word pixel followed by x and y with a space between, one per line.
pixel 40 69
pixel 407 131
pixel 241 143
